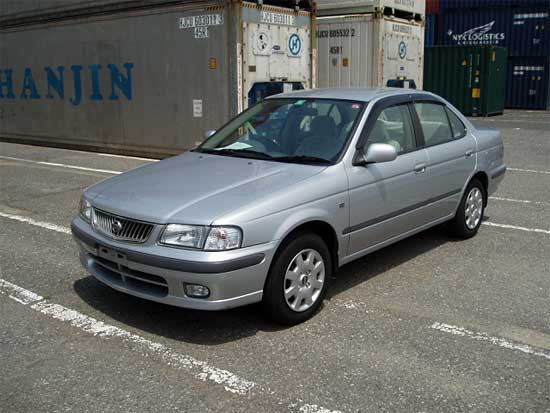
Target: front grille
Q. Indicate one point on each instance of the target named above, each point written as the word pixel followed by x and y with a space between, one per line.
pixel 120 228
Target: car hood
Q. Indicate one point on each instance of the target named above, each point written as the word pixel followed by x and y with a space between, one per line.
pixel 194 188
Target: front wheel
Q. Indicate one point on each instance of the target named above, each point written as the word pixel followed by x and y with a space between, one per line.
pixel 298 279
pixel 469 215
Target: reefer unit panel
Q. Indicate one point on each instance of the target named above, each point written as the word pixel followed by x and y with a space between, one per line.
pixel 147 82
pixel 366 51
pixel 340 7
pixel 523 32
pixel 528 85
pixel 471 78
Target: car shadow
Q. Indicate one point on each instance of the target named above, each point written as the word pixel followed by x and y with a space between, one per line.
pixel 218 327
pixel 378 262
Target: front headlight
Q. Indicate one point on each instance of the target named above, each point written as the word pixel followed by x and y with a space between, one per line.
pixel 201 237
pixel 85 209
pixel 187 236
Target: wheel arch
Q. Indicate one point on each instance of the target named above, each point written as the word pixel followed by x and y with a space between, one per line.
pixel 482 177
pixel 319 227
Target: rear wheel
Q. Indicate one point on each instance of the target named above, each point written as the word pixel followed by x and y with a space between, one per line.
pixel 298 279
pixel 469 215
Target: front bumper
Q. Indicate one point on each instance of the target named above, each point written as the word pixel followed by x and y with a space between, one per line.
pixel 158 273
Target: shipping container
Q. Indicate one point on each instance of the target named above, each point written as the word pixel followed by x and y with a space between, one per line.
pixel 16 12
pixel 369 51
pixel 446 5
pixel 472 78
pixel 147 82
pixel 415 8
pixel 524 32
pixel 432 6
pixel 430 31
pixel 528 85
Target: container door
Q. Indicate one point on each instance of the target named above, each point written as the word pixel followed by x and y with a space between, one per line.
pixel 528 83
pixel 345 52
pixel 495 87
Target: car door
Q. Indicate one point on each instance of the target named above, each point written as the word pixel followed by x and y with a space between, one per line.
pixel 451 155
pixel 386 198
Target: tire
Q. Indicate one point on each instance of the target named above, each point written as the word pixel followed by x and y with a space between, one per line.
pixel 469 215
pixel 295 288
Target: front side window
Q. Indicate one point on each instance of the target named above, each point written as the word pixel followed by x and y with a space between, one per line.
pixel 434 123
pixel 288 130
pixel 394 127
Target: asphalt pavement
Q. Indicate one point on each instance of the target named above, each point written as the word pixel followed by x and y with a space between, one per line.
pixel 427 324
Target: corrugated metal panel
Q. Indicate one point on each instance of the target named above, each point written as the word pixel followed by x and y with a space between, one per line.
pixel 467 4
pixel 23 12
pixel 143 82
pixel 430 32
pixel 471 78
pixel 528 85
pixel 366 51
pixel 432 7
pixel 341 7
pixel 523 32
pixel 19 12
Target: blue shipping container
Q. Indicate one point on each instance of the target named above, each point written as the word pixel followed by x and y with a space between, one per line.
pixel 430 32
pixel 445 5
pixel 524 33
pixel 528 85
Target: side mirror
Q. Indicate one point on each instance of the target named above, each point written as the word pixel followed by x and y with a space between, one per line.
pixel 209 133
pixel 379 152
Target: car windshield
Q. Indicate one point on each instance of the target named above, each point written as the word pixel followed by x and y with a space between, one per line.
pixel 288 130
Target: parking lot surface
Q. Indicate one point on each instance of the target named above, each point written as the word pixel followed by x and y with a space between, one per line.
pixel 428 324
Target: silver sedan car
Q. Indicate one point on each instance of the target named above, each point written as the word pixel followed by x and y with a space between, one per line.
pixel 272 204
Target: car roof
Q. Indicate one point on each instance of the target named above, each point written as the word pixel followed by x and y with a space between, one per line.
pixel 358 94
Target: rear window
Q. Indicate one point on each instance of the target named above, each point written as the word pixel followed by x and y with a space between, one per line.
pixel 458 128
pixel 434 122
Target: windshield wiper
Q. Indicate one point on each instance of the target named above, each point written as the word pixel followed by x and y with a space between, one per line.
pixel 237 152
pixel 302 159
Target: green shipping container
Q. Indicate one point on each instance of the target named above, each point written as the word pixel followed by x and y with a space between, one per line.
pixel 472 78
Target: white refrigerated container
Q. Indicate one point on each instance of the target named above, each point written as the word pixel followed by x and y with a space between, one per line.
pixel 369 51
pixel 337 7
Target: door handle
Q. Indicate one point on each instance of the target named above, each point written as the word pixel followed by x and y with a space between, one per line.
pixel 420 168
pixel 469 153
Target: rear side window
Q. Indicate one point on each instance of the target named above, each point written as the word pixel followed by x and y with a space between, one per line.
pixel 434 122
pixel 459 130
pixel 394 127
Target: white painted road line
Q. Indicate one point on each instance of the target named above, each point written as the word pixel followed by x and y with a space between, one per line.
pixel 520 201
pixel 94 153
pixel 31 221
pixel 18 294
pixel 528 170
pixel 112 155
pixel 200 370
pixel 62 165
pixel 515 227
pixel 501 342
